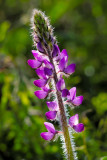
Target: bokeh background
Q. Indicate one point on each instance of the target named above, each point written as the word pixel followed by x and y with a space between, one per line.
pixel 81 28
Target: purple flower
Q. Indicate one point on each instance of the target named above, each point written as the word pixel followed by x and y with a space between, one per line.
pixel 38 56
pixel 63 64
pixel 55 51
pixel 51 132
pixel 52 106
pixel 53 109
pixel 64 54
pixel 60 84
pixel 34 63
pixel 39 47
pixel 74 123
pixel 44 73
pixel 51 115
pixel 48 64
pixel 40 72
pixel 48 71
pixel 61 87
pixel 40 82
pixel 61 55
pixel 46 88
pixel 65 92
pixel 72 97
pixel 37 62
pixel 70 69
pixel 41 94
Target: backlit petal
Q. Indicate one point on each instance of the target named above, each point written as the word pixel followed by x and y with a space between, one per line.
pixel 62 63
pixel 55 51
pixel 50 127
pixel 38 56
pixel 77 100
pixel 51 115
pixel 40 82
pixel 40 72
pixel 52 106
pixel 64 54
pixel 79 127
pixel 74 120
pixel 48 71
pixel 48 64
pixel 60 85
pixel 47 136
pixel 46 88
pixel 72 95
pixel 70 69
pixel 33 63
pixel 65 92
pixel 39 47
pixel 41 94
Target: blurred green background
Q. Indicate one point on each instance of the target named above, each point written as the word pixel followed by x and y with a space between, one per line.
pixel 81 28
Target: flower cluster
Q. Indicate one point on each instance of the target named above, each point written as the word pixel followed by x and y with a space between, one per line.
pixel 45 71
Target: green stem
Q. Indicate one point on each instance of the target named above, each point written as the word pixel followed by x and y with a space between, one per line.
pixel 63 118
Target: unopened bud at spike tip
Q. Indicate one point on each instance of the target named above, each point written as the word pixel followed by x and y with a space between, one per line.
pixel 42 31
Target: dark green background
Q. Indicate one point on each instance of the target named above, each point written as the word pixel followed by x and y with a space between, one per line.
pixel 81 28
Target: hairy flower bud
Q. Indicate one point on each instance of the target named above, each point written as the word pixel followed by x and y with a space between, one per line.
pixel 42 31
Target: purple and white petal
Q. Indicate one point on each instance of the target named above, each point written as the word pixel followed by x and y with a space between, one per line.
pixel 60 85
pixel 39 47
pixel 65 92
pixel 74 120
pixel 41 94
pixel 50 127
pixel 40 82
pixel 46 88
pixel 47 136
pixel 51 115
pixel 38 55
pixel 72 95
pixel 70 69
pixel 55 51
pixel 77 100
pixel 33 63
pixel 48 64
pixel 52 106
pixel 35 53
pixel 48 71
pixel 62 63
pixel 79 127
pixel 64 54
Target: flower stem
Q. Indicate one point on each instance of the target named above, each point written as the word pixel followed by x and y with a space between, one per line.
pixel 63 118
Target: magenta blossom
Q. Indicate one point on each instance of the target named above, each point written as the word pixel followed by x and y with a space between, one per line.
pixel 63 64
pixel 37 62
pixel 41 94
pixel 60 84
pixel 53 109
pixel 72 97
pixel 74 123
pixel 61 87
pixel 51 132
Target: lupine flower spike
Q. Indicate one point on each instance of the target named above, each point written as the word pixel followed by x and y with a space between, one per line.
pixel 51 65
